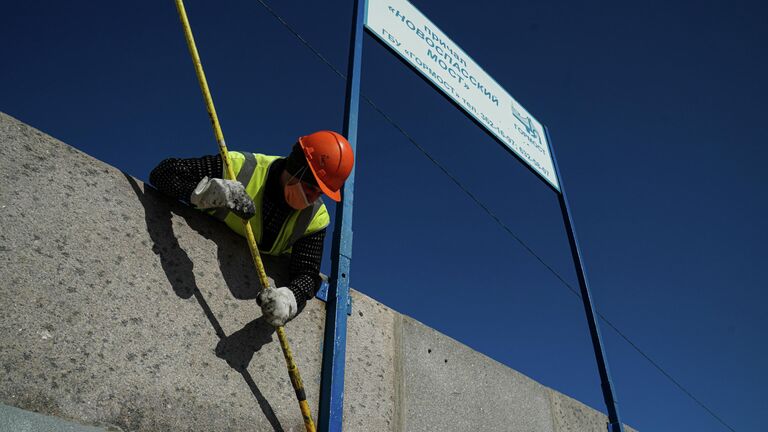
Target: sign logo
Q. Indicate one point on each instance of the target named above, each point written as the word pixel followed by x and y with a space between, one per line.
pixel 526 122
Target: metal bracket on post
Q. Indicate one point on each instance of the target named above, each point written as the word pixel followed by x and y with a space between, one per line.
pixel 322 294
pixel 331 413
pixel 614 421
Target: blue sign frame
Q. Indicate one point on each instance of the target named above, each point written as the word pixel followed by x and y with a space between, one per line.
pixel 331 414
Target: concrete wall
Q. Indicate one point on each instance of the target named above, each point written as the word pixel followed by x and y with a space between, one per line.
pixel 125 310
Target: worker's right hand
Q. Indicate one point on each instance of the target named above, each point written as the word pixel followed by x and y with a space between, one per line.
pixel 278 305
pixel 217 193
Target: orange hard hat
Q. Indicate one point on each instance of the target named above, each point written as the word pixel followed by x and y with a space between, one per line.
pixel 329 156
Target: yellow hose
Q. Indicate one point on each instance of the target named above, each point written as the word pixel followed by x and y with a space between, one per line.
pixel 293 370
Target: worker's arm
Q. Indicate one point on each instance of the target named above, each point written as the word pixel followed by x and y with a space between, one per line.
pixel 306 255
pixel 198 181
pixel 282 304
pixel 179 177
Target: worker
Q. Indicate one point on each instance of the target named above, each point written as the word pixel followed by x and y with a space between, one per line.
pixel 281 199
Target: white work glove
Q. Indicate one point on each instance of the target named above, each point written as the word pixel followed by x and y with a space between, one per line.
pixel 278 305
pixel 218 193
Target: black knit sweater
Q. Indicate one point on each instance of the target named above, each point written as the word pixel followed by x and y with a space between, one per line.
pixel 178 178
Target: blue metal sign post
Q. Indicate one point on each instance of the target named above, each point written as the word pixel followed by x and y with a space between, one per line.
pixel 609 395
pixel 331 413
pixel 330 416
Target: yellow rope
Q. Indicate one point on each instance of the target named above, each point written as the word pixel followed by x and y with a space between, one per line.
pixel 293 370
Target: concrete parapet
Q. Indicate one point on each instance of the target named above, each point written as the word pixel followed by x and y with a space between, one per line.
pixel 450 387
pixel 125 310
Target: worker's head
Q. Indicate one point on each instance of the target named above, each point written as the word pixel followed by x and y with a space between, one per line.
pixel 319 163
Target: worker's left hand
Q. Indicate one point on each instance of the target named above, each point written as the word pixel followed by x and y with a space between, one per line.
pixel 278 305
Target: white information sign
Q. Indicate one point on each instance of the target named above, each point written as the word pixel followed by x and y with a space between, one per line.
pixel 401 26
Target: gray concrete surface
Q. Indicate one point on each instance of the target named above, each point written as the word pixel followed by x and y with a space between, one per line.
pixel 17 420
pixel 447 386
pixel 369 379
pixel 571 415
pixel 125 310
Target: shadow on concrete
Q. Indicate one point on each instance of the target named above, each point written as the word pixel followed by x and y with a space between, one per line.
pixel 236 349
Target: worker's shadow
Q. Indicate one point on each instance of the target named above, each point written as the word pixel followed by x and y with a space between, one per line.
pixel 238 348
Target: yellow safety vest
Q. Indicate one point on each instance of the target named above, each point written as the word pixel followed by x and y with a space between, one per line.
pixel 251 170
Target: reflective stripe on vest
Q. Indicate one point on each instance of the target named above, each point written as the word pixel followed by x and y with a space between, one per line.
pixel 251 169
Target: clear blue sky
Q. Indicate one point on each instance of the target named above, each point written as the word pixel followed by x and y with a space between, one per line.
pixel 657 113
